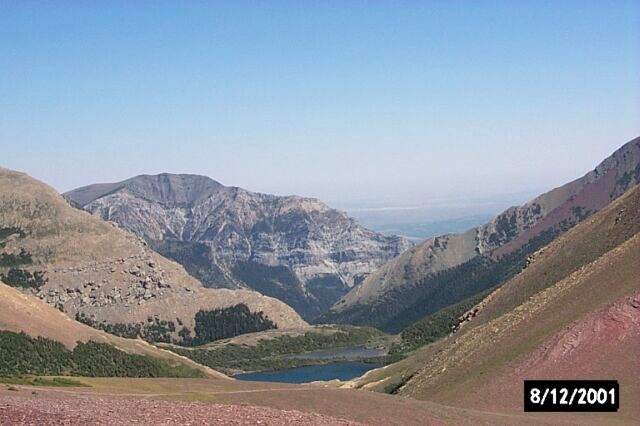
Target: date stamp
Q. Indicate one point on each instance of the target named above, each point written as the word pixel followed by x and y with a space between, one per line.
pixel 571 395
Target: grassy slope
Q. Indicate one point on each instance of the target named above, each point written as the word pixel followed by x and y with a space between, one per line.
pixel 22 313
pixel 586 243
pixel 435 326
pixel 477 356
pixel 74 247
pixel 593 265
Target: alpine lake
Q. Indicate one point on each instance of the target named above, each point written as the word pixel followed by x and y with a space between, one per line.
pixel 342 364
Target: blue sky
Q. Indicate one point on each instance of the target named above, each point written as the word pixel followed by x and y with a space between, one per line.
pixel 370 102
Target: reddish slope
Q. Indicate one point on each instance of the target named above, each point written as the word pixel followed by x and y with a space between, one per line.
pixel 573 313
pixel 599 344
pixel 403 287
pixel 603 345
pixel 592 192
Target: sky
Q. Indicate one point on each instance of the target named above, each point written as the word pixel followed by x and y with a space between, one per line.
pixel 359 103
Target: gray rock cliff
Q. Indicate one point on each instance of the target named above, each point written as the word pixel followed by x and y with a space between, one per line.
pixel 293 248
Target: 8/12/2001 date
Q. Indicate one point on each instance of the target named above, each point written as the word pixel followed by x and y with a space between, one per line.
pixel 571 395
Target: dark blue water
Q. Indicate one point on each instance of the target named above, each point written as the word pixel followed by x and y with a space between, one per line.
pixel 337 370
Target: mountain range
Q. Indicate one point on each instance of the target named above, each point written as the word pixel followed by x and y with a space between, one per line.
pixel 107 277
pixel 292 248
pixel 546 290
pixel 450 268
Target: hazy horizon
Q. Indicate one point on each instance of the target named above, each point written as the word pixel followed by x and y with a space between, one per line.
pixel 362 105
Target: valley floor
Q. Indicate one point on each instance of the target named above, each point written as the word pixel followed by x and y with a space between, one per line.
pixel 230 402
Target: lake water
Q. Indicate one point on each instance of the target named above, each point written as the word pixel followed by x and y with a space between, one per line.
pixel 338 370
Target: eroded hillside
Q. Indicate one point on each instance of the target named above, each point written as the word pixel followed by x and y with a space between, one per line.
pixel 92 270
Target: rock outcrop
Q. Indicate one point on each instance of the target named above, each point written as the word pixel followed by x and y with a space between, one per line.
pixel 292 248
pixel 92 269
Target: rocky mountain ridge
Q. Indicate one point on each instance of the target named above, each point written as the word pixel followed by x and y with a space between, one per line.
pixel 93 270
pixel 293 248
pixel 415 276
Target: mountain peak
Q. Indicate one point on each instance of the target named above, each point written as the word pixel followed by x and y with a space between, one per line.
pixel 164 188
pixel 293 248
